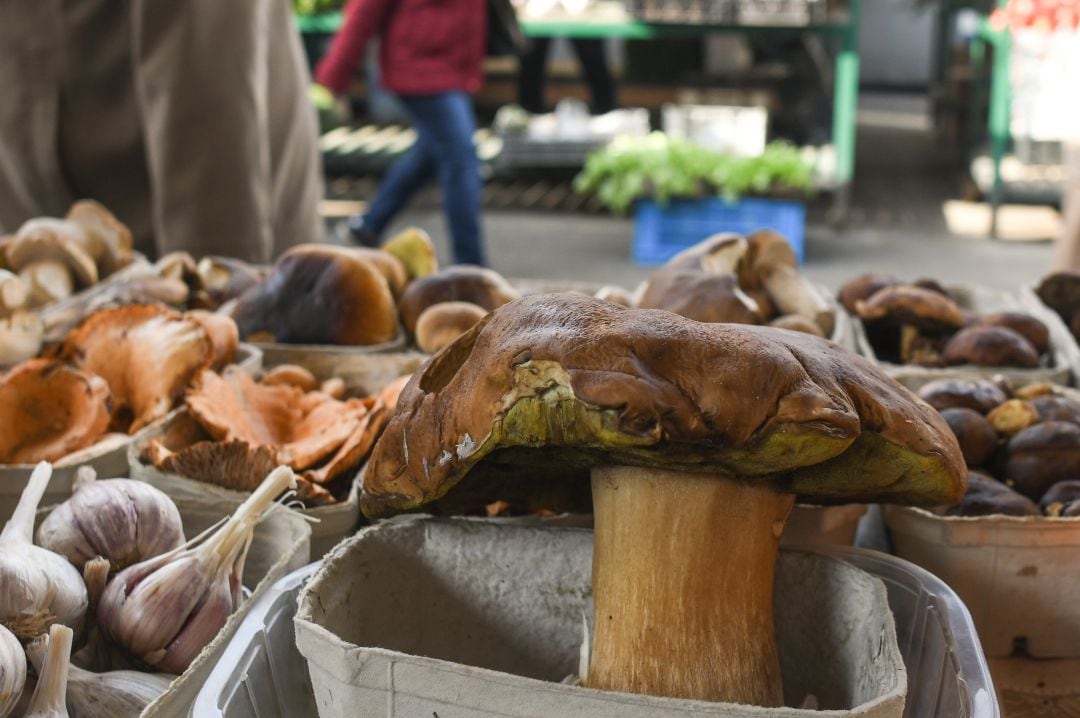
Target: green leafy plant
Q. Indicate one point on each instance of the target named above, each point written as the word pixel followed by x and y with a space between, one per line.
pixel 306 8
pixel 663 168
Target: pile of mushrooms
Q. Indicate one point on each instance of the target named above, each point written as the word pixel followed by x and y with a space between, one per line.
pixel 1022 447
pixel 1061 292
pixel 237 430
pixel 739 280
pixel 679 435
pixel 119 371
pixel 921 324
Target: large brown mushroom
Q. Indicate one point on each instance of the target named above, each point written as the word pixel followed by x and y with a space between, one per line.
pixel 982 395
pixel 862 288
pixel 1025 325
pixel 993 346
pixel 49 410
pixel 987 496
pixel 903 319
pixel 320 294
pixel 771 264
pixel 444 322
pixel 1042 455
pixel 697 438
pixel 976 436
pixel 460 283
pixel 1061 292
pixel 700 296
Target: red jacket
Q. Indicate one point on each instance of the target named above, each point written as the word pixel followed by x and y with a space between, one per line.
pixel 428 46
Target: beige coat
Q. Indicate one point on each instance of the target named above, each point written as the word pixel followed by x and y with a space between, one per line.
pixel 189 119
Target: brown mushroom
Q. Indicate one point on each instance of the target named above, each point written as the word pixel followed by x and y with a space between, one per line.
pixel 982 395
pixel 460 283
pixel 718 254
pixel 862 288
pixel 49 410
pixel 976 436
pixel 771 263
pixel 1062 499
pixel 48 254
pixel 693 435
pixel 222 279
pixel 415 250
pixel 766 308
pixel 442 323
pixel 797 323
pixel 390 266
pixel 147 355
pixel 921 349
pixel 1025 325
pixel 988 497
pixel 105 238
pixel 223 333
pixel 1041 455
pixel 290 375
pixel 932 285
pixel 699 296
pixel 906 304
pixel 991 346
pixel 615 295
pixel 320 295
pixel 1032 391
pixel 1012 417
pixel 1061 292
pixel 1055 408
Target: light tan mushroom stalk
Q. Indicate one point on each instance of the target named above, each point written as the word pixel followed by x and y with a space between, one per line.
pixel 21 337
pixel 792 293
pixel 13 292
pixel 683 570
pixel 47 281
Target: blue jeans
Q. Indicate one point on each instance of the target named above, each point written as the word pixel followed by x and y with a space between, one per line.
pixel 444 125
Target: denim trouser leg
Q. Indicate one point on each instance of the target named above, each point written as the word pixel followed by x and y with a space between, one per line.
pixel 405 178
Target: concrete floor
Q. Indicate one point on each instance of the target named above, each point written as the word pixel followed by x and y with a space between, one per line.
pixel 896 224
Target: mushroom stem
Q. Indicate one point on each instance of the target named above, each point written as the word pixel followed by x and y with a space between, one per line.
pixel 683 585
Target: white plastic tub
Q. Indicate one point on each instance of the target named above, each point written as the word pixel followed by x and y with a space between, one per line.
pixel 983 301
pixel 1017 575
pixel 472 618
pixel 262 673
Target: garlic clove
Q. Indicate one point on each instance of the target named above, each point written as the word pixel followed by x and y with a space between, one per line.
pixel 122 520
pixel 12 671
pixel 50 696
pixel 113 694
pixel 37 587
pixel 201 628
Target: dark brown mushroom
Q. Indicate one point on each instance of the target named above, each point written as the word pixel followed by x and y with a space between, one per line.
pixel 991 346
pixel 1061 292
pixel 1042 455
pixel 1025 325
pixel 905 304
pixel 700 296
pixel 1055 408
pixel 982 395
pixel 1062 499
pixel 460 283
pixel 693 435
pixel 987 497
pixel 863 287
pixel 771 264
pixel 976 437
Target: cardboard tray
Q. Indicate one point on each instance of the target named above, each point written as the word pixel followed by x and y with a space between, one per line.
pixel 471 618
pixel 982 300
pixel 1016 574
pixel 109 457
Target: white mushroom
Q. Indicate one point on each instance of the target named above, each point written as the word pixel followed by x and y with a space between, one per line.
pixel 58 244
pixel 21 336
pixel 13 292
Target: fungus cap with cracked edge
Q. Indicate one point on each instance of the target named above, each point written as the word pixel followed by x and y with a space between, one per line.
pixel 548 386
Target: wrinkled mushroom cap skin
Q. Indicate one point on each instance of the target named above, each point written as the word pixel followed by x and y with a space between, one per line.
pixel 700 296
pixel 551 385
pixel 460 283
pixel 992 346
pixel 906 304
pixel 320 295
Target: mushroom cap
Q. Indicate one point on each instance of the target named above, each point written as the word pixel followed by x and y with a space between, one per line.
pixel 1061 499
pixel 1042 455
pixel 148 355
pixel 767 251
pixel 1061 292
pixel 700 296
pixel 987 496
pixel 444 322
pixel 548 386
pixel 863 287
pixel 415 250
pixel 47 239
pixel 990 346
pixel 318 294
pixel 223 334
pixel 797 323
pixel 1025 325
pixel 1012 416
pixel 982 395
pixel 290 375
pixel 718 254
pixel 49 410
pixel 973 432
pixel 1055 408
pixel 460 283
pixel 905 304
pixel 108 240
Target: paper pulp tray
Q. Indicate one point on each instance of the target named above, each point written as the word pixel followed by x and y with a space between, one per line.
pixel 1016 574
pixel 1029 688
pixel 262 673
pixel 275 353
pixel 470 618
pixel 335 522
pixel 982 301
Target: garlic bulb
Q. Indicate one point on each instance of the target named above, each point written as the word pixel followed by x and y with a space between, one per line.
pixel 122 520
pixel 116 694
pixel 50 696
pixel 164 611
pixel 12 671
pixel 37 586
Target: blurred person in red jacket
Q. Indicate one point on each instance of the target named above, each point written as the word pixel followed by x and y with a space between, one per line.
pixel 431 56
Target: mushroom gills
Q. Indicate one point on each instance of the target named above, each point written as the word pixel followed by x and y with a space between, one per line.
pixel 686 610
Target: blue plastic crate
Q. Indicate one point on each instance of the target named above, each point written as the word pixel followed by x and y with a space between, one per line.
pixel 662 231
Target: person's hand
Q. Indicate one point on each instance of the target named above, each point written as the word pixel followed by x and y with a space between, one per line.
pixel 334 111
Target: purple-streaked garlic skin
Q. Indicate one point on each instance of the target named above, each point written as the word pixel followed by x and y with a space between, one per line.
pixel 122 520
